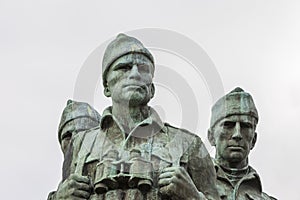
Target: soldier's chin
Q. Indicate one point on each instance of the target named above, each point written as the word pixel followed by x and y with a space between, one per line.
pixel 236 156
pixel 138 100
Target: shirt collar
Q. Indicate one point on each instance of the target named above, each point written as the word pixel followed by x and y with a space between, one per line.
pixel 252 175
pixel 107 120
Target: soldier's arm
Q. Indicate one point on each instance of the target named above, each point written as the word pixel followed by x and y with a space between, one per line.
pixel 201 169
pixel 73 186
pixel 176 183
pixel 192 178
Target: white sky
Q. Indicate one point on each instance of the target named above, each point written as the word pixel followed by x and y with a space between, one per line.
pixel 43 45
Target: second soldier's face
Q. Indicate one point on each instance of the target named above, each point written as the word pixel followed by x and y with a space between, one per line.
pixel 129 80
pixel 234 138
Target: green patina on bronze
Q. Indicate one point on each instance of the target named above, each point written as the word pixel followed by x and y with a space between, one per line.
pixel 76 117
pixel 233 123
pixel 132 154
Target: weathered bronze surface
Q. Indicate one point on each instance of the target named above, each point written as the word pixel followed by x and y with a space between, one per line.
pixel 76 117
pixel 133 154
pixel 232 131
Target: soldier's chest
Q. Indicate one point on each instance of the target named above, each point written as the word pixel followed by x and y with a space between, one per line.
pixel 241 191
pixel 146 165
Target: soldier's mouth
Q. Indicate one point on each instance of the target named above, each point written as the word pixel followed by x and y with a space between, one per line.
pixel 135 86
pixel 235 148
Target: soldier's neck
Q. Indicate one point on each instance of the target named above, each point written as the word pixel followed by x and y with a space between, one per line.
pixel 130 116
pixel 231 164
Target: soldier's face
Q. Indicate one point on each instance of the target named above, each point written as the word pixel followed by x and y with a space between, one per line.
pixel 129 80
pixel 72 128
pixel 234 137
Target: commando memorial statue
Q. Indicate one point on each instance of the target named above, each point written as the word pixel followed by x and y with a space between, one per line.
pixel 131 154
pixel 232 131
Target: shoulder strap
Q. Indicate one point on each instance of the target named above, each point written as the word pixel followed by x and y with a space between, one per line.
pixel 85 150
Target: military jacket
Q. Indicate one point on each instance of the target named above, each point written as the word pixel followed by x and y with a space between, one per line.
pixel 159 144
pixel 249 187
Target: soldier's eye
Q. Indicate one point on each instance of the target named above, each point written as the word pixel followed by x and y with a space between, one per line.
pixel 228 124
pixel 245 125
pixel 144 68
pixel 123 67
pixel 66 135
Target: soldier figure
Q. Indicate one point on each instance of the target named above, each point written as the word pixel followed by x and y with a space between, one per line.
pixel 232 131
pixel 132 154
pixel 76 117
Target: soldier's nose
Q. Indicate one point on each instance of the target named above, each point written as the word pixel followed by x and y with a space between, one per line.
pixel 134 73
pixel 237 131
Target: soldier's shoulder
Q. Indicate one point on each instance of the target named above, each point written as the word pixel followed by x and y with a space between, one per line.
pixel 181 131
pixel 84 138
pixel 264 195
pixel 92 130
pixel 80 136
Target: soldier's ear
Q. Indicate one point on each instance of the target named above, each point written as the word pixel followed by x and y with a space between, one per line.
pixel 107 92
pixel 253 140
pixel 152 88
pixel 211 138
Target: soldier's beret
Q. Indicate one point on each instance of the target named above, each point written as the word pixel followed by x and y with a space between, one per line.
pixel 75 110
pixel 122 45
pixel 236 102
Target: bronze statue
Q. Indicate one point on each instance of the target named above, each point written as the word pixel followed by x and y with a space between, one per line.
pixel 232 131
pixel 76 117
pixel 133 154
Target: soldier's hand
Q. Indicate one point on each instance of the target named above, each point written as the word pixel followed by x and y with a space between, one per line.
pixel 75 187
pixel 175 182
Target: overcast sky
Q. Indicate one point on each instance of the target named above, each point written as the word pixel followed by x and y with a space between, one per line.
pixel 45 45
